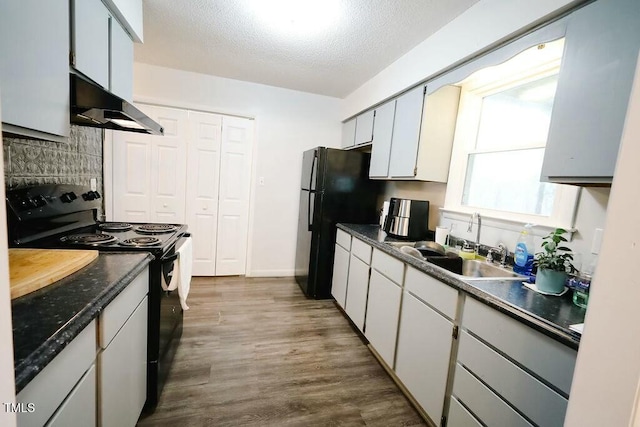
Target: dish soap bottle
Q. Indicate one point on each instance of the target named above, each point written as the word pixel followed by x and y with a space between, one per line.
pixel 523 254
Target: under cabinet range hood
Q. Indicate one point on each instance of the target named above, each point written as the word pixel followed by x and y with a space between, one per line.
pixel 93 106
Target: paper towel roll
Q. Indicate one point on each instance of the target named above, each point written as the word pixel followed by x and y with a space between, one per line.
pixel 441 235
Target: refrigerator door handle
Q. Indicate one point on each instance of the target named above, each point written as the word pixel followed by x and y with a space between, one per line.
pixel 309 212
pixel 313 169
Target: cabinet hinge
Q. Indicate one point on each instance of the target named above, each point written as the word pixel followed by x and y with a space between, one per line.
pixel 455 333
pixel 415 171
pixel 72 58
pixel 424 92
pixel 443 421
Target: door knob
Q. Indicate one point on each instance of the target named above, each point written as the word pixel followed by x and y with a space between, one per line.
pixel 164 205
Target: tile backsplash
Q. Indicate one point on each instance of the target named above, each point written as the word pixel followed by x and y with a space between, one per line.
pixel 74 161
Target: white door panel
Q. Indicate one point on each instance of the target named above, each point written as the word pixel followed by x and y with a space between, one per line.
pixel 203 164
pixel 168 166
pixel 131 177
pixel 233 206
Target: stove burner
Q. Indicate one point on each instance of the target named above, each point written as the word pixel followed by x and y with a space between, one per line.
pixel 156 228
pixel 141 241
pixel 89 239
pixel 115 226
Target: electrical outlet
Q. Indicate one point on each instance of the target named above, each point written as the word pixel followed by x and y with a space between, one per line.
pixel 94 184
pixel 261 181
pixel 597 241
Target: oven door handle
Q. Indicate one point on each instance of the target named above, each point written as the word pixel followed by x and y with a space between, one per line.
pixel 172 258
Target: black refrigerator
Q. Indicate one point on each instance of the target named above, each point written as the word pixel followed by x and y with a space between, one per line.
pixel 335 187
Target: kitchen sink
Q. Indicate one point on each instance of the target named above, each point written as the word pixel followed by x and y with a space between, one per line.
pixel 475 269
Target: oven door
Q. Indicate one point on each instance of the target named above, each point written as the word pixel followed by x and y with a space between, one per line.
pixel 170 309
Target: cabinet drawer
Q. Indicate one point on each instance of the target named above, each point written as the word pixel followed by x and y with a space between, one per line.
pixel 485 404
pixel 119 310
pixel 388 266
pixel 548 358
pixel 57 379
pixel 535 400
pixel 343 239
pixel 441 297
pixel 459 416
pixel 362 250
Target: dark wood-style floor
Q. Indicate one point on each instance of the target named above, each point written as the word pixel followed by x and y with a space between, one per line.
pixel 256 352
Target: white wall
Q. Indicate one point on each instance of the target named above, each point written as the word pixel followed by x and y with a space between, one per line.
pixel 607 372
pixel 485 23
pixel 7 382
pixel 287 123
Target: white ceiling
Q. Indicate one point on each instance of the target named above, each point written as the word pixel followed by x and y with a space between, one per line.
pixel 226 38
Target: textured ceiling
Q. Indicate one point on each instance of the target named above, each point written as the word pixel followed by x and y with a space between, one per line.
pixel 227 38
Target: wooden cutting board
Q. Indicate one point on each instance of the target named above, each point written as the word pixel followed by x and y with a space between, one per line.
pixel 33 269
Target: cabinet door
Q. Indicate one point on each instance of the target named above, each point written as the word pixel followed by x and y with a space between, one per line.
pixel 90 38
pixel 406 134
pixel 348 133
pixel 424 349
pixel 382 133
pixel 34 66
pixel 601 48
pixel 123 372
pixel 357 289
pixel 79 409
pixel 121 73
pixel 203 164
pixel 364 127
pixel 340 275
pixel 383 309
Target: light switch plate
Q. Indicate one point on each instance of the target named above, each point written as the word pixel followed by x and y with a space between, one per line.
pixel 597 241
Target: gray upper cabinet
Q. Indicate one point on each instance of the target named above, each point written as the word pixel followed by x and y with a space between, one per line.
pixel 90 40
pixel 601 49
pixel 364 127
pixel 348 133
pixel 382 134
pixel 406 134
pixel 34 67
pixel 102 49
pixel 121 55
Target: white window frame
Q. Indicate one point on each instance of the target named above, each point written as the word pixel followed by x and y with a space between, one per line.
pixel 472 93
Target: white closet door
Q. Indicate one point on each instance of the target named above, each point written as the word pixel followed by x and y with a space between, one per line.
pixel 203 166
pixel 131 177
pixel 168 166
pixel 233 206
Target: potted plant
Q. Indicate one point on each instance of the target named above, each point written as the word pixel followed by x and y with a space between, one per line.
pixel 553 263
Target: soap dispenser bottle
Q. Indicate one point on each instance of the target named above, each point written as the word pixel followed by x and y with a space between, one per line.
pixel 523 254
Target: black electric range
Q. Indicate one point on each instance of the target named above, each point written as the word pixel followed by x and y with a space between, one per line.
pixel 62 216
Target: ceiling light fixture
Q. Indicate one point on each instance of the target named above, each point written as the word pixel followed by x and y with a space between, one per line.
pixel 297 17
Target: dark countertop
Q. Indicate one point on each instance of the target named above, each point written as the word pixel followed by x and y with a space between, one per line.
pixel 45 321
pixel 548 314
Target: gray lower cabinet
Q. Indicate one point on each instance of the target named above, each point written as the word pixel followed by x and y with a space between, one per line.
pixel 383 311
pixel 422 357
pixel 79 409
pixel 509 374
pixel 357 290
pixel 340 275
pixel 54 388
pixel 589 110
pixel 34 67
pixel 459 416
pixel 425 340
pixel 122 367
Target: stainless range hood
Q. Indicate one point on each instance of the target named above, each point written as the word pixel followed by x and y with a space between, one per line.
pixel 93 106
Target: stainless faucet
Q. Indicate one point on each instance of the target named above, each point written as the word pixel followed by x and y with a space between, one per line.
pixel 502 251
pixel 476 216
